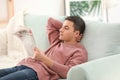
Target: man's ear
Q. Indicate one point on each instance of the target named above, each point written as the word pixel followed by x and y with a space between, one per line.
pixel 77 33
pixel 78 36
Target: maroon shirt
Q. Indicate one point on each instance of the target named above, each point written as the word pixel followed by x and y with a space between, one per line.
pixel 64 55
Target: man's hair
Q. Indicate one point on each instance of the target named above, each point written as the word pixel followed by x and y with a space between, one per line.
pixel 79 23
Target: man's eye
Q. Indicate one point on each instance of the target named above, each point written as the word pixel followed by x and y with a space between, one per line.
pixel 66 28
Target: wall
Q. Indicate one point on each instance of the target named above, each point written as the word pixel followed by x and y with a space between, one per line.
pixel 54 7
pixel 3 10
pixel 43 7
pixel 114 11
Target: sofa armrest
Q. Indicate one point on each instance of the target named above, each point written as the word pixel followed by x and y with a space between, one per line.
pixel 107 68
pixel 3 41
pixel 76 73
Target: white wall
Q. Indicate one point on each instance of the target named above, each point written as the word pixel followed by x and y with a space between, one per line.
pixel 114 15
pixel 43 7
pixel 3 10
pixel 114 11
pixel 56 8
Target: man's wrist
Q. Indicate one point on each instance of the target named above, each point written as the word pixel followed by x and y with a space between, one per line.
pixel 47 61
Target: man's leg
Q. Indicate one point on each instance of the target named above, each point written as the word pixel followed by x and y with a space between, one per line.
pixel 7 71
pixel 24 74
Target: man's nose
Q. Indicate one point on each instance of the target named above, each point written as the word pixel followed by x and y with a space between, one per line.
pixel 61 29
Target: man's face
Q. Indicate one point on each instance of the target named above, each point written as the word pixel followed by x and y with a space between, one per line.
pixel 67 33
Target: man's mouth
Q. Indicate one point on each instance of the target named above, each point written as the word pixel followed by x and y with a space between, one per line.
pixel 61 34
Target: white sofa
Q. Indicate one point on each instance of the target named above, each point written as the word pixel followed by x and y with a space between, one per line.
pixel 101 40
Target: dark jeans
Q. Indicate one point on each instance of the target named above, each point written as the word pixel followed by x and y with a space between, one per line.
pixel 18 73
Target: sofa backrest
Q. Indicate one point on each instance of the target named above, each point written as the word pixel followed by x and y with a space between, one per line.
pixel 100 39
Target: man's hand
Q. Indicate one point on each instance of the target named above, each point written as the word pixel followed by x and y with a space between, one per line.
pixel 40 56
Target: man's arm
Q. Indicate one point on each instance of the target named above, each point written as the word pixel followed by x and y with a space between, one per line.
pixel 53 27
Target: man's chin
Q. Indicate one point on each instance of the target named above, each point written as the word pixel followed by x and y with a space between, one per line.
pixel 60 38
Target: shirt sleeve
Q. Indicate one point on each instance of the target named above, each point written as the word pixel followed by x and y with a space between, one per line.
pixel 76 59
pixel 53 27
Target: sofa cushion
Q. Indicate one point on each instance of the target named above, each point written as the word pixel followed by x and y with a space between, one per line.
pixel 101 39
pixel 38 25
